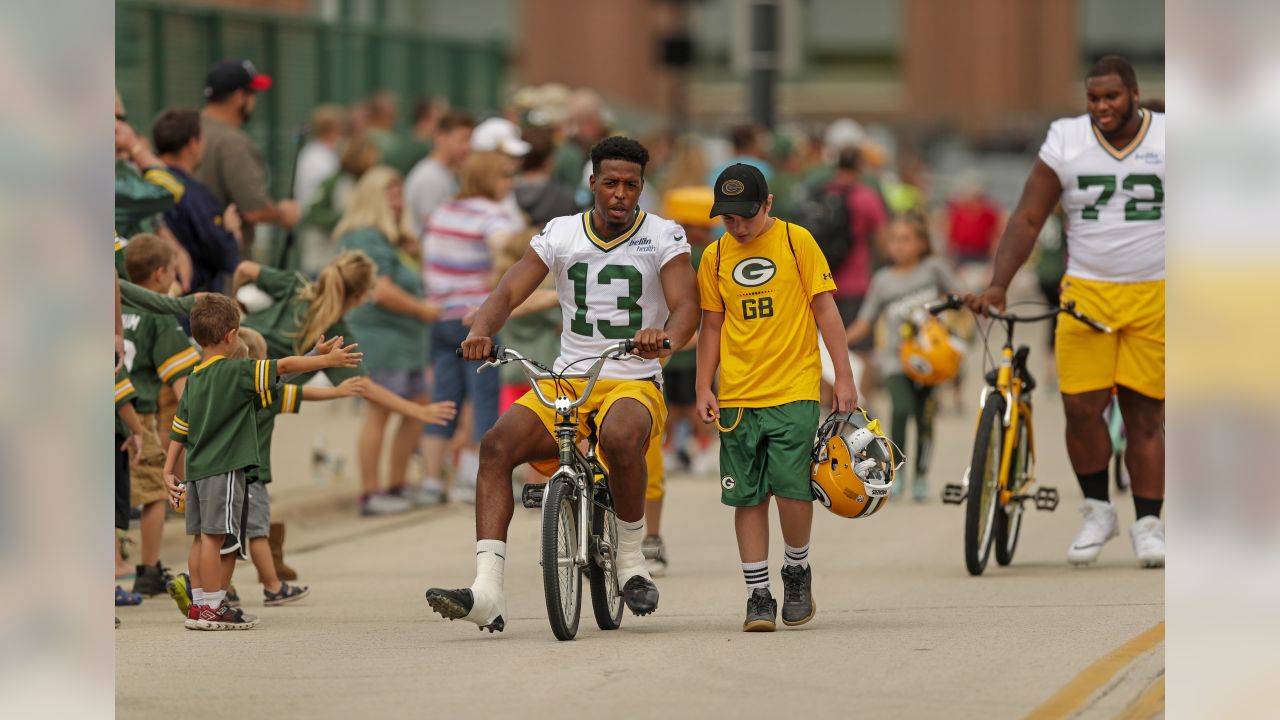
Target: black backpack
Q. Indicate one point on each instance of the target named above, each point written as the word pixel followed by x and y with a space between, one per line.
pixel 824 212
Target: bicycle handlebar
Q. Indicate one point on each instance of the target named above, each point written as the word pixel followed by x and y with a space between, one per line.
pixel 953 302
pixel 503 355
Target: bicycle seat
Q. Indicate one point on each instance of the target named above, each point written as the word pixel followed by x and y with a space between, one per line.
pixel 992 376
pixel 1028 382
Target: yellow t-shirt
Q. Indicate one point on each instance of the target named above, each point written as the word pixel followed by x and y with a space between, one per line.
pixel 769 339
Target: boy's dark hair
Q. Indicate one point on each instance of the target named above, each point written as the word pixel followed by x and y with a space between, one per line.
pixel 174 128
pixel 455 119
pixel 145 254
pixel 1115 65
pixel 212 317
pixel 618 148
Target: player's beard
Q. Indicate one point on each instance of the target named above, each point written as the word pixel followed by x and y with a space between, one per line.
pixel 1124 119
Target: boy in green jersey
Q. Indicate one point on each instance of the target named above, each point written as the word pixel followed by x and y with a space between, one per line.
pixel 216 431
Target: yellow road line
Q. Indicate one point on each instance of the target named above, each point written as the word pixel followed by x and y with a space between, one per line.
pixel 1149 704
pixel 1076 693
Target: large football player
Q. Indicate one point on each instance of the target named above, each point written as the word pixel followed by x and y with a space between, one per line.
pixel 620 273
pixel 1107 167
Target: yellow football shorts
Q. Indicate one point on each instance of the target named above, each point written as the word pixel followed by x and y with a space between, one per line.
pixel 603 396
pixel 1132 356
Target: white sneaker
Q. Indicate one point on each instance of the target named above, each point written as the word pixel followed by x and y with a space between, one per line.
pixel 427 495
pixel 1099 526
pixel 385 504
pixel 1147 535
pixel 707 462
pixel 464 492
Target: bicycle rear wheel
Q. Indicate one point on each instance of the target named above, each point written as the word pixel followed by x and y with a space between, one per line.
pixel 1009 518
pixel 602 569
pixel 984 486
pixel 561 578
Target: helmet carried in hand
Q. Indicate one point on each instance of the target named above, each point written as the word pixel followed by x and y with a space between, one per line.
pixel 853 465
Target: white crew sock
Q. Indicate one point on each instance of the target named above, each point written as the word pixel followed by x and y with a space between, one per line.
pixel 214 600
pixel 491 558
pixel 197 596
pixel 630 558
pixel 796 556
pixel 756 574
pixel 468 467
pixel 432 483
pixel 486 591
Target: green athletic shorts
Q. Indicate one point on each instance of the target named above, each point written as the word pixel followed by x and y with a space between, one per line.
pixel 767 453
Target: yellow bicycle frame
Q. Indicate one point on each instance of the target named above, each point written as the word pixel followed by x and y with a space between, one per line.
pixel 1010 387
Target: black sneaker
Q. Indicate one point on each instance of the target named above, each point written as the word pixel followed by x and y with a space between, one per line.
pixel 150 579
pixel 762 611
pixel 286 594
pixel 233 597
pixel 457 605
pixel 641 595
pixel 798 607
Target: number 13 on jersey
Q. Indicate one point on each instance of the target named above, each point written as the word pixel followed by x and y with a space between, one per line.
pixel 609 275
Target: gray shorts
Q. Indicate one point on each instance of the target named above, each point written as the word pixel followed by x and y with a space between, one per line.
pixel 407 384
pixel 216 506
pixel 257 522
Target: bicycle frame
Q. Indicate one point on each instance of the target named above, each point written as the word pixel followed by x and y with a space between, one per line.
pixel 1010 385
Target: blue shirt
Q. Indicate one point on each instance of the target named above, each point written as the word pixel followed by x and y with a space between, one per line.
pixel 196 221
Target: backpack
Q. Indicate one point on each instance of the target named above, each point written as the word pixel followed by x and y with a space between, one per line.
pixel 824 212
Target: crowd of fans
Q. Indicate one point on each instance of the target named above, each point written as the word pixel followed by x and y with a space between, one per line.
pixel 396 235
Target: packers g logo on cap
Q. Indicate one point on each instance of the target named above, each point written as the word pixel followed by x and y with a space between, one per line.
pixel 754 271
pixel 732 186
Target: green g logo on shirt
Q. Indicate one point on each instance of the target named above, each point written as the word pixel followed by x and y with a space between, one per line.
pixel 754 271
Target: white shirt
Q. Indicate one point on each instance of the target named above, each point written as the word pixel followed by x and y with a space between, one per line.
pixel 609 290
pixel 317 162
pixel 1113 198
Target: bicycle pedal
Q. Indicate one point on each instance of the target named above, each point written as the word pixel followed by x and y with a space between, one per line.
pixel 1046 499
pixel 531 494
pixel 953 494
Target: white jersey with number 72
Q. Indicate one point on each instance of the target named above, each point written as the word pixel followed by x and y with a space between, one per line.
pixel 609 289
pixel 1113 198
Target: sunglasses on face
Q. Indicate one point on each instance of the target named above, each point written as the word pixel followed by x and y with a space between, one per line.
pixel 122 117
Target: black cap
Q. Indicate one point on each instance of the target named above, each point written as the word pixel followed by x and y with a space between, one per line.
pixel 740 190
pixel 229 76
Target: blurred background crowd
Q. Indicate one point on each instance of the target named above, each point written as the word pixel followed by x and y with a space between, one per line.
pixel 399 126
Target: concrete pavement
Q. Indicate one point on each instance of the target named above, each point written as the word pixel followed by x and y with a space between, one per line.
pixel 901 629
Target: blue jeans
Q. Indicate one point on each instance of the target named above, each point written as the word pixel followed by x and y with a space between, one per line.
pixel 456 379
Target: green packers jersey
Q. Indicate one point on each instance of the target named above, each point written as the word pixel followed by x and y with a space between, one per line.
pixel 281 322
pixel 217 415
pixel 286 401
pixel 155 351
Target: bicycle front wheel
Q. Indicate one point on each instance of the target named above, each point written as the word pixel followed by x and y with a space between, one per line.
pixel 561 577
pixel 602 571
pixel 1009 518
pixel 984 486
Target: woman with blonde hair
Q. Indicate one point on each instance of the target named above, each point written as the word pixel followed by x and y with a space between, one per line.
pixel 392 328
pixel 302 312
pixel 462 238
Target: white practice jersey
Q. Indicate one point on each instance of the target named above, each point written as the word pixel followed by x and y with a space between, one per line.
pixel 1113 198
pixel 609 290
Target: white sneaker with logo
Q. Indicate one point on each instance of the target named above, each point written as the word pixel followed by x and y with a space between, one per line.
pixel 1099 526
pixel 1147 535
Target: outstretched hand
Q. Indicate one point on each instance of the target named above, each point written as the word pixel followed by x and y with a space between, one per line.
pixel 438 413
pixel 352 387
pixel 324 347
pixel 344 356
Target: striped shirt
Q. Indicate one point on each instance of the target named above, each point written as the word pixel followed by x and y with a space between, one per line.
pixel 458 252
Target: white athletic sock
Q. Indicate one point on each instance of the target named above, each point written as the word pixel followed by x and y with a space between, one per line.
pixel 468 467
pixel 630 557
pixel 756 574
pixel 796 556
pixel 197 596
pixel 491 558
pixel 214 600
pixel 433 484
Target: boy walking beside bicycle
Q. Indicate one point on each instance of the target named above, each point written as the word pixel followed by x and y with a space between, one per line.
pixel 766 291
